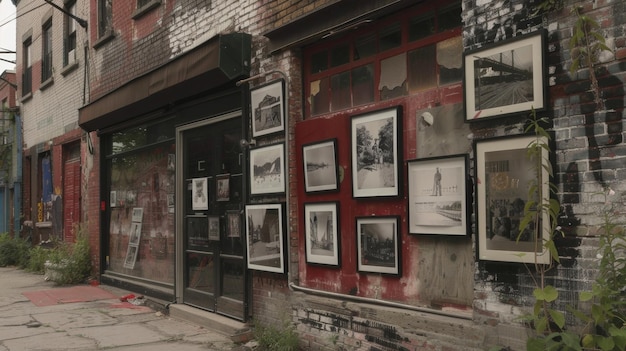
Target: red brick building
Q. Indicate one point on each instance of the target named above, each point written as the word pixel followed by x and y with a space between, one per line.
pixel 356 169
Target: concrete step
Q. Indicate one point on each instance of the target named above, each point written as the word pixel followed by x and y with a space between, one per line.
pixel 237 331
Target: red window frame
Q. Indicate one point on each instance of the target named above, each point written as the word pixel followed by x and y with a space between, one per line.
pixel 404 17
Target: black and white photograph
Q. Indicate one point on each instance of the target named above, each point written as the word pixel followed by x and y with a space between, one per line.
pixel 505 78
pixel 504 174
pixel 197 231
pixel 265 237
pixel 137 215
pixel 267 106
pixel 375 153
pixel 223 187
pixel 322 239
pixel 441 130
pixel 200 194
pixel 438 196
pixel 214 228
pixel 131 256
pixel 113 198
pixel 320 166
pixel 267 170
pixel 135 233
pixel 378 246
pixel 234 224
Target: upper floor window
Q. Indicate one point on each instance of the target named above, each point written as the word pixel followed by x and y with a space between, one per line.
pixel 144 6
pixel 46 51
pixel 27 73
pixel 105 16
pixel 413 51
pixel 69 34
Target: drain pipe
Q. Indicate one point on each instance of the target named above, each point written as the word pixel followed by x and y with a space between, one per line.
pixel 376 302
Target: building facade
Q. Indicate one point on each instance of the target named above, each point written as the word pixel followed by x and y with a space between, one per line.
pixel 10 156
pixel 356 169
pixel 52 66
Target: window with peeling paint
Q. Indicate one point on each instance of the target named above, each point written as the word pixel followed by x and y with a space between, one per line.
pixel 410 52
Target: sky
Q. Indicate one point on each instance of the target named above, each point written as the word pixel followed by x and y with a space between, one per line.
pixel 7 34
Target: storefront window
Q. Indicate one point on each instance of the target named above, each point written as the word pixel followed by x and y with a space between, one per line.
pixel 141 227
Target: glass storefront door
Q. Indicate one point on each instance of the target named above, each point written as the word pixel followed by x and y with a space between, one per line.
pixel 209 170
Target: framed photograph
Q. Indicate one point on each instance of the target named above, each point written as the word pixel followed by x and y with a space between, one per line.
pixel 135 233
pixel 375 153
pixel 131 256
pixel 214 228
pixel 137 215
pixel 378 244
pixel 234 224
pixel 267 170
pixel 438 196
pixel 505 78
pixel 265 237
pixel 197 231
pixel 200 194
pixel 113 198
pixel 268 108
pixel 223 187
pixel 320 166
pixel 504 174
pixel 322 239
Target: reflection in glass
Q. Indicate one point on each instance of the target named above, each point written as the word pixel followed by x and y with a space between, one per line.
pixel 200 272
pixel 393 77
pixel 340 55
pixel 319 96
pixel 422 69
pixel 340 87
pixel 365 47
pixel 233 278
pixel 390 37
pixel 421 27
pixel 319 62
pixel 363 84
pixel 450 60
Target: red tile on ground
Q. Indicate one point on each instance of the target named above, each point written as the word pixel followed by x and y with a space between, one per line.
pixel 80 293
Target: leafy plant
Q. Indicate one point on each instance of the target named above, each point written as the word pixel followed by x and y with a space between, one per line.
pixel 72 261
pixel 37 257
pixel 548 323
pixel 13 251
pixel 272 338
pixel 586 45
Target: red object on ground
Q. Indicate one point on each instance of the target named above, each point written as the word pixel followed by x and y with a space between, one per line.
pixel 127 297
pixel 81 293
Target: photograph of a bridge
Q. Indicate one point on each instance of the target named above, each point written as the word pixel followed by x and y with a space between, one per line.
pixel 506 78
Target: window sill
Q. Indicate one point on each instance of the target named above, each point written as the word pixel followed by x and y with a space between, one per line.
pixel 145 9
pixel 43 224
pixel 108 36
pixel 45 84
pixel 27 97
pixel 69 68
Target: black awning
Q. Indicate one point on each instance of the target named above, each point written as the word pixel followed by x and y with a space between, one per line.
pixel 221 59
pixel 333 18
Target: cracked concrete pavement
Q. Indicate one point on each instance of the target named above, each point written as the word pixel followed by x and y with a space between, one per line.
pixel 94 325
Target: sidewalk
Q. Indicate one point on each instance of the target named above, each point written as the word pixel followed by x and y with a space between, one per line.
pixel 38 315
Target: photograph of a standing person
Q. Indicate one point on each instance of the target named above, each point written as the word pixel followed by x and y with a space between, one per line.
pixel 437 184
pixel 375 154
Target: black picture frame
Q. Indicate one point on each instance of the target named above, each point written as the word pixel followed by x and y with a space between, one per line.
pixel 321 172
pixel 437 195
pixel 267 170
pixel 265 237
pixel 511 70
pixel 378 245
pixel 376 153
pixel 322 237
pixel 503 176
pixel 268 108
